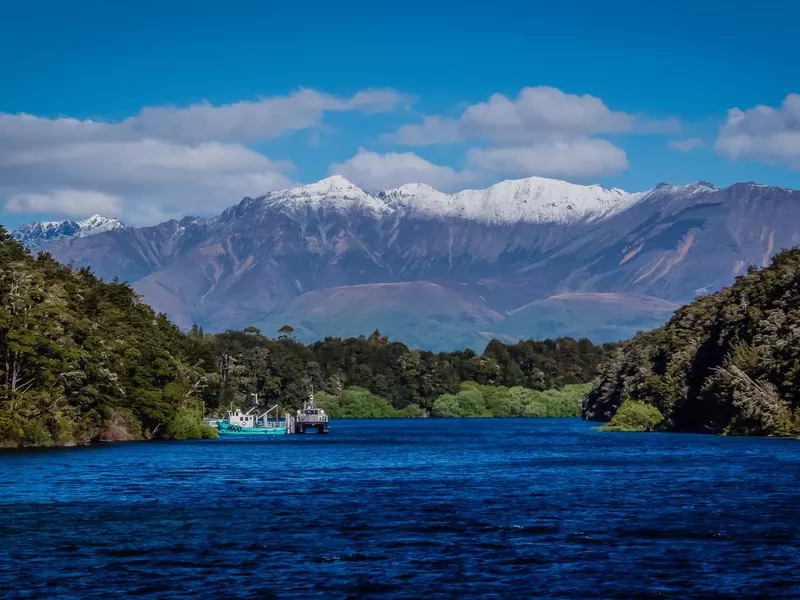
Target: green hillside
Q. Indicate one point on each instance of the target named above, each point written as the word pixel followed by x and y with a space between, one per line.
pixel 726 363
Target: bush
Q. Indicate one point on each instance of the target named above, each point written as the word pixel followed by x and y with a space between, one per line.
pixel 635 416
pixel 187 425
pixel 358 403
pixel 446 405
pixel 497 401
pixel 11 428
pixel 36 434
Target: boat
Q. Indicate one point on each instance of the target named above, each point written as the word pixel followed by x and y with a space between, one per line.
pixel 311 417
pixel 237 422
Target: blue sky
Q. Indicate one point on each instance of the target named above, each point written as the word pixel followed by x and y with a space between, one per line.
pixel 609 88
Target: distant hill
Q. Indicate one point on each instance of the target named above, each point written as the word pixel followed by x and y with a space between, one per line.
pixel 520 259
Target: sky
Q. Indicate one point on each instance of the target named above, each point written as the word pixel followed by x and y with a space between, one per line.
pixel 154 110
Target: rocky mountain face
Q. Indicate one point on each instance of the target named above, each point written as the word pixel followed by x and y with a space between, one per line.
pixel 527 258
pixel 35 235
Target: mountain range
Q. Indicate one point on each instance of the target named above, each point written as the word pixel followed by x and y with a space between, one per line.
pixel 526 258
pixel 35 235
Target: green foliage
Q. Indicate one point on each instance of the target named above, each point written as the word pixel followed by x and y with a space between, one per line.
pixel 358 403
pixel 727 363
pixel 635 416
pixel 36 433
pixel 84 361
pixel 187 424
pixel 283 371
pixel 475 400
pixel 447 405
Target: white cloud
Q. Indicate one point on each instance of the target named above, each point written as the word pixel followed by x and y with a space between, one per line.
pixel 381 171
pixel 264 119
pixel 163 162
pixel 763 133
pixel 70 203
pixel 535 115
pixel 542 131
pixel 151 178
pixel 686 145
pixel 433 130
pixel 582 158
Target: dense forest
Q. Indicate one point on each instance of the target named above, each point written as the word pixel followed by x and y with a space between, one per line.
pixel 373 376
pixel 84 361
pixel 726 363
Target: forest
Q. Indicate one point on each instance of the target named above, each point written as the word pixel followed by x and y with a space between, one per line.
pixel 373 376
pixel 727 363
pixel 87 361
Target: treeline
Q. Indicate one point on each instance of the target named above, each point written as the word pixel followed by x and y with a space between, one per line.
pixel 86 361
pixel 471 400
pixel 283 371
pixel 726 363
pixel 82 360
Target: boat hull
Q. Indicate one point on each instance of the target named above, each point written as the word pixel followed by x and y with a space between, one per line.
pixel 228 429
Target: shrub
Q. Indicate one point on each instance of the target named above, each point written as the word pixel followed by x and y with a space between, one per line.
pixel 187 425
pixel 635 416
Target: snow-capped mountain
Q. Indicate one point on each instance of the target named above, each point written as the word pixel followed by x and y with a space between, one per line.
pixel 333 193
pixel 528 258
pixel 34 235
pixel 531 200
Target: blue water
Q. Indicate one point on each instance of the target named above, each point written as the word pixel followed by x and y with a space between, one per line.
pixel 546 508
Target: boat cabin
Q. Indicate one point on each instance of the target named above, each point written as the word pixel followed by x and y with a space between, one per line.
pixel 311 417
pixel 243 419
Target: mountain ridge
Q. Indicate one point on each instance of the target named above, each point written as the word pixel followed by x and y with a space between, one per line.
pixel 35 234
pixel 248 264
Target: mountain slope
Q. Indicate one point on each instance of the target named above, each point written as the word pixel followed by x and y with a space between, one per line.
pixel 602 317
pixel 440 317
pixel 520 249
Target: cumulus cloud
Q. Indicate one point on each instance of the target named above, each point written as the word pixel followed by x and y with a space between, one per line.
pixel 149 179
pixel 763 133
pixel 542 131
pixel 69 203
pixel 536 114
pixel 264 119
pixel 375 172
pixel 686 145
pixel 432 130
pixel 163 162
pixel 581 158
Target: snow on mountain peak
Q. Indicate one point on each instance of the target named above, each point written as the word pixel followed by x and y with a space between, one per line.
pixel 334 192
pixel 36 234
pixel 98 223
pixel 534 200
pixel 531 200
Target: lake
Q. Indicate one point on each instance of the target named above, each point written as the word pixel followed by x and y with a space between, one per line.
pixel 548 508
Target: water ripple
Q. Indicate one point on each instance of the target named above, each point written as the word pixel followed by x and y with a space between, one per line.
pixel 407 509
